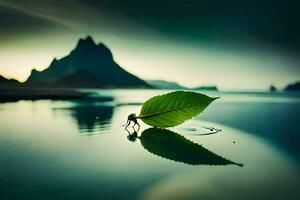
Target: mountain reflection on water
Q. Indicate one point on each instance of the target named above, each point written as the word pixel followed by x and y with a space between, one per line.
pixel 89 118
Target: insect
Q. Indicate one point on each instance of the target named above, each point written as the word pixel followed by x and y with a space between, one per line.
pixel 132 118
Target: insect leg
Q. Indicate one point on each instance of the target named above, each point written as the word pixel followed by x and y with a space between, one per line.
pixel 127 124
pixel 136 123
pixel 138 126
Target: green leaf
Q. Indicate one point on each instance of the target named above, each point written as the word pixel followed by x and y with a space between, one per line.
pixel 172 146
pixel 174 108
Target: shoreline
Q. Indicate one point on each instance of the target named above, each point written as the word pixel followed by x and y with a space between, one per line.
pixel 8 94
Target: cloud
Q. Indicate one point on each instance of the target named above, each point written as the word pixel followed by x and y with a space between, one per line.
pixel 274 25
pixel 78 16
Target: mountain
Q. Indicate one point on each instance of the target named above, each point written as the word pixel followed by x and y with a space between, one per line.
pixel 272 88
pixel 210 88
pixel 80 78
pixel 293 87
pixel 88 65
pixel 165 85
pixel 8 82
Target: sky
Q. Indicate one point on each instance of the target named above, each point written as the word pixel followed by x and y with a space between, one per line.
pixel 236 45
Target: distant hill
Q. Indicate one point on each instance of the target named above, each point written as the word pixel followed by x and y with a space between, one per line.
pixel 165 85
pixel 272 88
pixel 293 87
pixel 8 82
pixel 210 88
pixel 89 65
pixel 175 86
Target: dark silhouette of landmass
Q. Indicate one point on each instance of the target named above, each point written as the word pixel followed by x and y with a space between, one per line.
pixel 81 78
pixel 12 90
pixel 211 88
pixel 8 82
pixel 89 65
pixel 160 84
pixel 293 87
pixel 8 94
pixel 272 88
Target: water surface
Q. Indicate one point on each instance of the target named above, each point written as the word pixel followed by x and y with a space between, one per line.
pixel 79 150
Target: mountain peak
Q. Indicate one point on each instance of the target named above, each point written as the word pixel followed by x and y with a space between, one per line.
pixel 86 42
pixel 87 49
pixel 89 39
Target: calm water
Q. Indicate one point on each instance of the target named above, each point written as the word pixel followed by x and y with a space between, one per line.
pixel 79 150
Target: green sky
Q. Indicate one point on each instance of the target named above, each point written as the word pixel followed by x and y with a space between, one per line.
pixel 237 45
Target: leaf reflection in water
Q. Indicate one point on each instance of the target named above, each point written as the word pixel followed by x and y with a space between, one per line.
pixel 173 146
